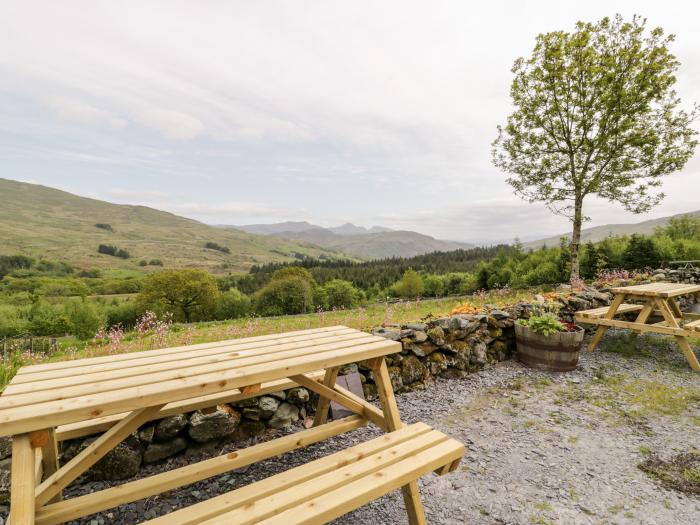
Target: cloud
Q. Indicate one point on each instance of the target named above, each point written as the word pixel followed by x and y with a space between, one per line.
pixel 361 111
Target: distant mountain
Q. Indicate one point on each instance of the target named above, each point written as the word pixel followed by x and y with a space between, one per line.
pixel 598 233
pixel 278 227
pixel 376 242
pixel 46 222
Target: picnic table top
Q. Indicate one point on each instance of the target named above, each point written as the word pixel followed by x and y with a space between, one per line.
pixel 51 394
pixel 660 289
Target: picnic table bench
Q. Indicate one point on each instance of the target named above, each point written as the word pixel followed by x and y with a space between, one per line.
pixel 116 394
pixel 654 299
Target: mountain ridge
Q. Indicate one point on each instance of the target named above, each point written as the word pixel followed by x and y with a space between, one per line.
pixel 376 242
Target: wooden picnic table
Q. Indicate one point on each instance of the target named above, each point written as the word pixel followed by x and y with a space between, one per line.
pixel 654 299
pixel 116 394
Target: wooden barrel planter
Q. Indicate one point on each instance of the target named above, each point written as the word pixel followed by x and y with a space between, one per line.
pixel 555 353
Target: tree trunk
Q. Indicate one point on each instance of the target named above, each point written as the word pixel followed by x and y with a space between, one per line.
pixel 576 239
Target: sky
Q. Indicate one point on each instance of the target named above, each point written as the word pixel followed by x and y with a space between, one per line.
pixel 237 112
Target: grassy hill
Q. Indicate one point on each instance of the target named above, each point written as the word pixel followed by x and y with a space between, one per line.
pixel 598 233
pixel 45 222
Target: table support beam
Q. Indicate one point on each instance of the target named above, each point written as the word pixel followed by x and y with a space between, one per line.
pixel 324 403
pixel 56 482
pixel 600 331
pixel 22 485
pixel 411 494
pixel 359 407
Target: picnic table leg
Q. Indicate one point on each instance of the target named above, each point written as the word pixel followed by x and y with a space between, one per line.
pixel 682 341
pixel 600 331
pixel 49 459
pixel 23 482
pixel 323 402
pixel 411 494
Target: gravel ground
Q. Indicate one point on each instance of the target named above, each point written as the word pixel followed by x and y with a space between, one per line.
pixel 541 448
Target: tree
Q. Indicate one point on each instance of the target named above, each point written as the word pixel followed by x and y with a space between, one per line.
pixel 683 227
pixel 232 304
pixel 641 253
pixel 341 294
pixel 186 290
pixel 288 295
pixel 595 114
pixel 410 285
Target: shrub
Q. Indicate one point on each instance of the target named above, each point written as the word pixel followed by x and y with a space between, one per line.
pixel 109 249
pixel 104 226
pixel 187 293
pixel 14 262
pixel 232 304
pixel 11 323
pixel 410 285
pixel 83 319
pixel 340 294
pixel 214 246
pixel 143 262
pixel 155 262
pixel 434 286
pixel 46 319
pixel 289 295
pixel 125 314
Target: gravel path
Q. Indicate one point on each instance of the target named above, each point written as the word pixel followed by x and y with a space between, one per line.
pixel 541 448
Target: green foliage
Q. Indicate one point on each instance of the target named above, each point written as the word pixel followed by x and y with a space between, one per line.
pixel 546 324
pixel 284 295
pixel 434 285
pixel 9 263
pixel 184 292
pixel 595 113
pixel 114 251
pixel 685 227
pixel 340 294
pixel 11 322
pixel 640 253
pixel 232 304
pixel 293 271
pixel 215 246
pixel 409 286
pixel 83 319
pixel 48 319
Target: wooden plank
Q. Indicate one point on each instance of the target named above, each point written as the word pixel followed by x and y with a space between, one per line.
pixel 688 352
pixel 35 417
pixel 159 363
pixel 362 470
pixel 323 402
pixel 23 481
pixel 49 459
pixel 335 503
pixel 101 424
pixel 600 331
pixel 249 494
pixel 173 351
pixel 361 408
pixel 695 325
pixel 641 327
pixel 108 383
pixel 411 495
pixel 53 484
pixel 85 377
pixel 600 312
pixel 169 480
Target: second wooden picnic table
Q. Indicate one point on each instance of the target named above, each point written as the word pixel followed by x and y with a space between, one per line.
pixel 653 299
pixel 116 394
